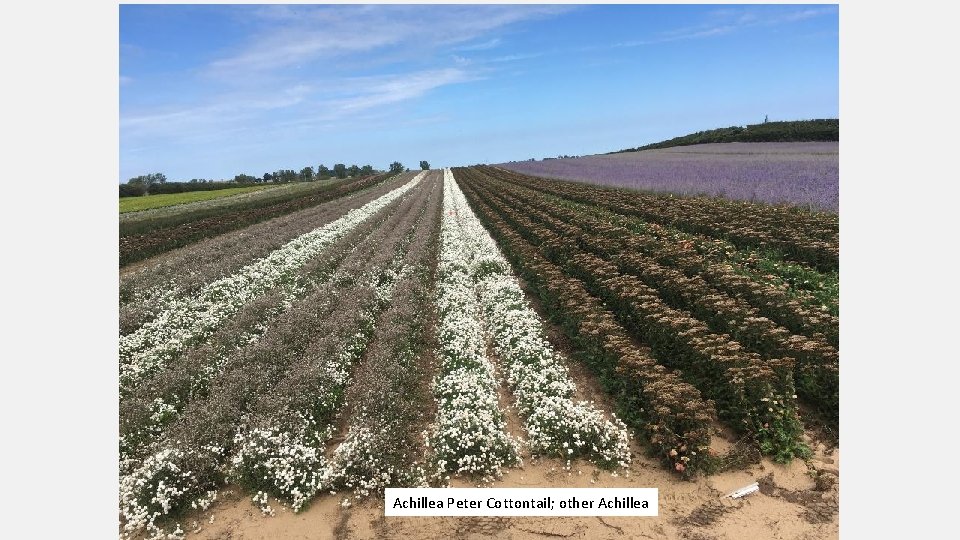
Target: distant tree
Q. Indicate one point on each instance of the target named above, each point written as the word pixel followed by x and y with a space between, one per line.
pixel 424 165
pixel 765 119
pixel 306 174
pixel 354 170
pixel 267 177
pixel 366 170
pixel 323 171
pixel 340 170
pixel 285 175
pixel 244 179
pixel 396 167
pixel 147 180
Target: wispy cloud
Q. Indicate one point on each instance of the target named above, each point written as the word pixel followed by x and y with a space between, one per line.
pixel 462 61
pixel 725 22
pixel 483 46
pixel 299 35
pixel 221 111
pixel 301 105
pixel 513 57
pixel 400 88
pixel 298 66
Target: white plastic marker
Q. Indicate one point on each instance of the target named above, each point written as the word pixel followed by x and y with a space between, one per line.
pixel 521 502
pixel 744 491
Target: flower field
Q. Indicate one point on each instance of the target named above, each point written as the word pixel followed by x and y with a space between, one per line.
pixel 444 326
pixel 152 232
pixel 797 173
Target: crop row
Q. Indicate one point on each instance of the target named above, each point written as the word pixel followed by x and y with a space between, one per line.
pixel 239 196
pixel 189 321
pixel 811 238
pixel 817 362
pixel 148 291
pixel 382 445
pixel 144 238
pixel 556 425
pixel 281 449
pixel 253 408
pixel 470 431
pixel 754 395
pixel 671 413
pixel 735 273
pixel 159 399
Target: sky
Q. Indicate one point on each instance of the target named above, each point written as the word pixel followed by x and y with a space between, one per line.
pixel 212 91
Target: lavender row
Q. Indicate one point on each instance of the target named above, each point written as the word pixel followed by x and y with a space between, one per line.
pixel 802 174
pixel 809 238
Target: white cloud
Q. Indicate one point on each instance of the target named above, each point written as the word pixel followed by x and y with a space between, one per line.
pixel 298 69
pixel 294 35
pixel 305 104
pixel 401 88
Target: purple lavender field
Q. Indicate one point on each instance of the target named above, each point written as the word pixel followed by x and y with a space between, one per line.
pixel 798 173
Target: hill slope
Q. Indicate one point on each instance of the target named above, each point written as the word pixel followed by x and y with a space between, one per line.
pixel 793 131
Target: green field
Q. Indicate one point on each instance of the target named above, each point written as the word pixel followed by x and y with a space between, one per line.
pixel 136 204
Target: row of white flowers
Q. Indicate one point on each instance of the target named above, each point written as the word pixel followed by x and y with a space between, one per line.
pixel 555 423
pixel 167 408
pixel 151 487
pixel 187 321
pixel 470 434
pixel 358 462
pixel 376 450
pixel 287 458
pixel 161 295
pixel 152 490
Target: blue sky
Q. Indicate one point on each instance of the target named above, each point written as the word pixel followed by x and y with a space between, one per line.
pixel 213 91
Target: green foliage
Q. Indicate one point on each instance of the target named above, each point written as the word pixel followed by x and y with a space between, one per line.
pixel 142 238
pixel 353 170
pixel 306 174
pixel 424 165
pixel 133 190
pixel 285 175
pixel 140 187
pixel 170 199
pixel 340 170
pixel 323 172
pixel 396 167
pixel 795 131
pixel 145 182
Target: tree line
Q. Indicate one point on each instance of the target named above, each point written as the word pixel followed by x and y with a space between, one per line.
pixel 827 129
pixel 156 183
